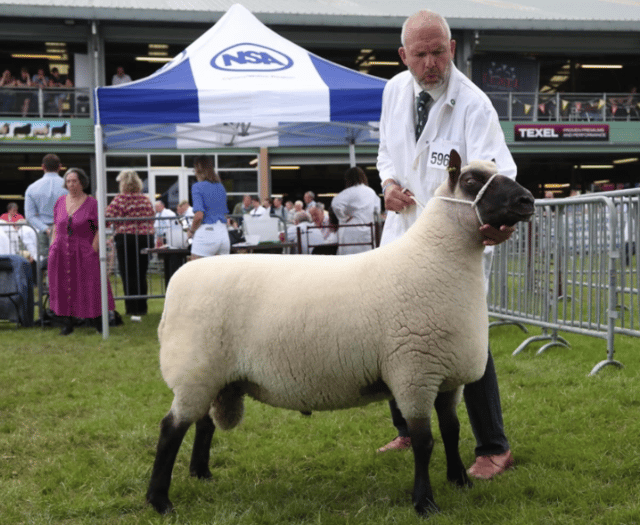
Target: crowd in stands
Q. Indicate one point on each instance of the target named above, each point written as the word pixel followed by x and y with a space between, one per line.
pixel 23 97
pixel 20 93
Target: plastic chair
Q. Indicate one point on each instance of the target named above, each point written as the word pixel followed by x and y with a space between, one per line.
pixel 266 228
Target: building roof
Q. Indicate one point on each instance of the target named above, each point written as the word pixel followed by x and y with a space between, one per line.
pixel 573 15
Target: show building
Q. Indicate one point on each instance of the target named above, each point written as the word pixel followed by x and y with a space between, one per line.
pixel 285 96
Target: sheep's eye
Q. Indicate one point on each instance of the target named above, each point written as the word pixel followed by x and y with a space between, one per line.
pixel 471 182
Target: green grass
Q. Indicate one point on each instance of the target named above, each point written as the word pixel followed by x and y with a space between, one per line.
pixel 79 422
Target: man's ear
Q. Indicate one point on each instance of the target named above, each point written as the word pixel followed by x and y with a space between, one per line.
pixel 403 55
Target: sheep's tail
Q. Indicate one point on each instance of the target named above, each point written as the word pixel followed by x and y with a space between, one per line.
pixel 228 408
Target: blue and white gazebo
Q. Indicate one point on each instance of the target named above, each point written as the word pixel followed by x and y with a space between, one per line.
pixel 239 85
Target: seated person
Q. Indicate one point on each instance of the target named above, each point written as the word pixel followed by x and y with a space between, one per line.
pixel 322 220
pixel 302 221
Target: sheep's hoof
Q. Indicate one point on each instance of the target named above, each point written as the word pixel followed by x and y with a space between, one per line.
pixel 162 505
pixel 426 508
pixel 204 473
pixel 461 479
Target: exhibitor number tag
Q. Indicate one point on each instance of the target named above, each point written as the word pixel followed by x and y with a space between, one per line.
pixel 438 159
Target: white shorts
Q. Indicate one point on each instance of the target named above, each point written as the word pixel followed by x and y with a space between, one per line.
pixel 211 239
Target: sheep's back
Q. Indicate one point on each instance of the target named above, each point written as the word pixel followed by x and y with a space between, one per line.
pixel 250 318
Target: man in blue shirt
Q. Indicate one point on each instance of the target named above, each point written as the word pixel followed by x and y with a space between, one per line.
pixel 42 195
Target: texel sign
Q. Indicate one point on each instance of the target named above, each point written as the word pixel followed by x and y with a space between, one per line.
pixel 560 132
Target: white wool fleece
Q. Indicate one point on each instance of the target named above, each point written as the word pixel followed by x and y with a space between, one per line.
pixel 316 333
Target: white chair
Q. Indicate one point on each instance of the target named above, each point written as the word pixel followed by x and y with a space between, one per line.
pixel 266 228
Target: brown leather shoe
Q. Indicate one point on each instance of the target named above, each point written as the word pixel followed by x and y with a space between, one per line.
pixel 399 443
pixel 487 467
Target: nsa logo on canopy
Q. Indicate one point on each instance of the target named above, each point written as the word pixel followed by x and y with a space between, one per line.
pixel 251 57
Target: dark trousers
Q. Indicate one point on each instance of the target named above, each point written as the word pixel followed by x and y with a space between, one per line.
pixel 133 269
pixel 482 399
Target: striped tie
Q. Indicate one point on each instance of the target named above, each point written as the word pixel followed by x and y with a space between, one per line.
pixel 424 102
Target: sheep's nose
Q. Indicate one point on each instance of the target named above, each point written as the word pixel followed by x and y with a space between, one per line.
pixel 526 199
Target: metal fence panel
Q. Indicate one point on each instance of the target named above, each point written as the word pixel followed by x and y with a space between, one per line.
pixel 573 268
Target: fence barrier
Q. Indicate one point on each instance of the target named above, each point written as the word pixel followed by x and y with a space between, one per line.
pixel 574 269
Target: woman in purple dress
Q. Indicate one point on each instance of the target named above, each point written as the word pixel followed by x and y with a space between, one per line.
pixel 74 266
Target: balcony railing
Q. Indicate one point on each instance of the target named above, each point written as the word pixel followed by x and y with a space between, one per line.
pixel 532 106
pixel 44 103
pixel 585 107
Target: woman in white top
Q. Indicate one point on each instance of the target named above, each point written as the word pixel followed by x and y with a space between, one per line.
pixel 357 204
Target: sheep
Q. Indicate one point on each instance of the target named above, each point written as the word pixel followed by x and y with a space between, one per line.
pixel 43 131
pixel 59 130
pixel 22 130
pixel 407 320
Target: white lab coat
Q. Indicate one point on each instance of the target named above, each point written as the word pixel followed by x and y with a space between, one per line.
pixel 462 118
pixel 355 205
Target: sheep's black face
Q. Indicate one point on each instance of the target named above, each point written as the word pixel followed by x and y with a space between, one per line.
pixel 504 201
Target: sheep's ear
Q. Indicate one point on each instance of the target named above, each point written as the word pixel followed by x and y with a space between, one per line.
pixel 454 169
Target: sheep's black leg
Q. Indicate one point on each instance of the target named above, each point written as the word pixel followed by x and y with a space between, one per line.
pixel 199 466
pixel 422 443
pixel 450 429
pixel 171 436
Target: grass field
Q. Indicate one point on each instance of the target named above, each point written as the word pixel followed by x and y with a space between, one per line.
pixel 79 422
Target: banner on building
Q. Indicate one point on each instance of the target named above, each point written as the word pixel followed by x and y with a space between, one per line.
pixel 499 75
pixel 35 130
pixel 560 132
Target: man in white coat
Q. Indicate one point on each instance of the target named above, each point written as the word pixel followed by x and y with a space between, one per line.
pixel 413 160
pixel 356 205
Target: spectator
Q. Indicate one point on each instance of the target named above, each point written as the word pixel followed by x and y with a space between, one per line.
pixel 323 233
pixel 266 204
pixel 22 238
pixel 74 265
pixel 309 200
pixel 23 241
pixel 7 94
pixel 356 204
pixel 59 81
pixel 40 80
pixel 132 239
pixel 321 220
pixel 298 206
pixel 278 210
pixel 257 210
pixel 244 206
pixel 40 198
pixel 120 77
pixel 25 96
pixel 180 227
pixel 162 223
pixel 12 214
pixel 301 221
pixel 185 209
pixel 209 227
pixel 289 211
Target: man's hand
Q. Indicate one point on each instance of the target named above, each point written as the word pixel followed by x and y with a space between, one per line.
pixel 397 199
pixel 493 236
